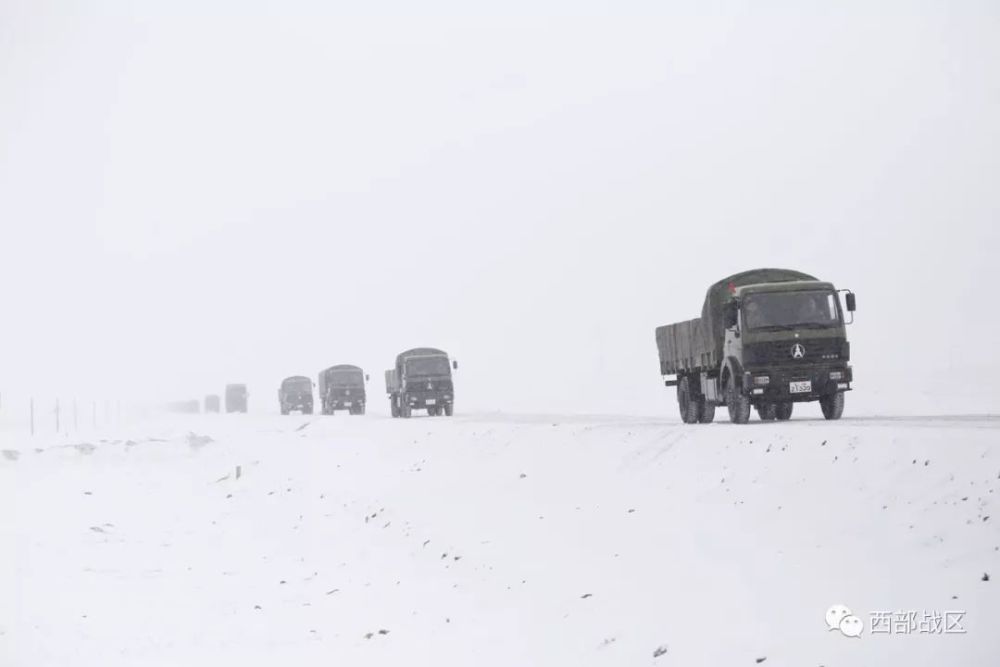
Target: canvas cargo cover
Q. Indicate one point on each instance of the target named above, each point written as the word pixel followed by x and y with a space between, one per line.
pixel 417 352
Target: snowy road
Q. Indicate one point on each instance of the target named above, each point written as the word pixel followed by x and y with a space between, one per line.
pixel 496 540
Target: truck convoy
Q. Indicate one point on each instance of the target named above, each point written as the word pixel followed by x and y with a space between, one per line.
pixel 421 380
pixel 236 398
pixel 767 339
pixel 342 387
pixel 296 393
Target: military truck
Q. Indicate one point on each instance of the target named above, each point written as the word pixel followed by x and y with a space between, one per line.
pixel 342 387
pixel 236 398
pixel 185 407
pixel 296 393
pixel 421 380
pixel 212 403
pixel 767 339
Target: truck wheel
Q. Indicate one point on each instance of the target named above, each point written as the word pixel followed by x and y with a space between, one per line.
pixel 405 411
pixel 393 407
pixel 783 411
pixel 449 409
pixel 361 410
pixel 307 411
pixel 706 412
pixel 284 411
pixel 766 411
pixel 738 404
pixel 832 405
pixel 686 401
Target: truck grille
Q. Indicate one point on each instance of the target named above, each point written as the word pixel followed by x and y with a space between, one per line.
pixel 810 351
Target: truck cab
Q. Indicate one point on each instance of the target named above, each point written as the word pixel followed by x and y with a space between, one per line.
pixel 295 393
pixel 786 343
pixel 236 398
pixel 421 380
pixel 342 387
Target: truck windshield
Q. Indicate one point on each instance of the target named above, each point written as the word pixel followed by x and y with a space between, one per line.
pixel 345 379
pixel 298 385
pixel 427 366
pixel 791 310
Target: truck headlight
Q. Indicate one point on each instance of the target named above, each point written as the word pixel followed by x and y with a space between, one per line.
pixel 836 375
pixel 762 379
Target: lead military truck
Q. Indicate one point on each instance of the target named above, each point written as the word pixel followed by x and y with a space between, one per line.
pixel 421 380
pixel 767 339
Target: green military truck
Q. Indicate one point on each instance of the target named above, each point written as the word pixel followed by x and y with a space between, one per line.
pixel 421 380
pixel 767 339
pixel 236 397
pixel 296 393
pixel 342 387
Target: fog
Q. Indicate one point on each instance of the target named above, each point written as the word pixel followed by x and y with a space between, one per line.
pixel 192 196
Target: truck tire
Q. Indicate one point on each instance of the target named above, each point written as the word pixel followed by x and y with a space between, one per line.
pixel 405 411
pixel 686 401
pixel 783 411
pixel 738 404
pixel 832 405
pixel 706 412
pixel 449 409
pixel 307 411
pixel 394 407
pixel 284 411
pixel 361 410
pixel 766 411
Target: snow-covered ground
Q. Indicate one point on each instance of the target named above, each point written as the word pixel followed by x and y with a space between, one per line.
pixel 499 540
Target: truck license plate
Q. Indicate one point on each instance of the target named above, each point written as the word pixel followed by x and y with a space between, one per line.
pixel 431 401
pixel 348 403
pixel 803 387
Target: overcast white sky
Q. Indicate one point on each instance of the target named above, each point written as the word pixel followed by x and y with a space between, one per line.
pixel 214 192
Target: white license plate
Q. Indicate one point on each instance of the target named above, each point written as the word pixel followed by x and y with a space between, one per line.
pixel 431 401
pixel 348 403
pixel 800 387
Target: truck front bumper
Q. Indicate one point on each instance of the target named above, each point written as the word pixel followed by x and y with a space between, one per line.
pixel 804 383
pixel 423 399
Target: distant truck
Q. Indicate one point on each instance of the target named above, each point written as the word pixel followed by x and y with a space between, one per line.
pixel 236 398
pixel 767 339
pixel 296 393
pixel 342 387
pixel 185 407
pixel 212 403
pixel 421 380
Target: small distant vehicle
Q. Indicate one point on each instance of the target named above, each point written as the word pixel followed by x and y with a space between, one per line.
pixel 212 403
pixel 342 387
pixel 421 380
pixel 236 398
pixel 296 393
pixel 185 407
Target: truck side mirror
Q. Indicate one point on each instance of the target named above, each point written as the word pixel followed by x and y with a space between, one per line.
pixel 454 365
pixel 851 303
pixel 730 314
